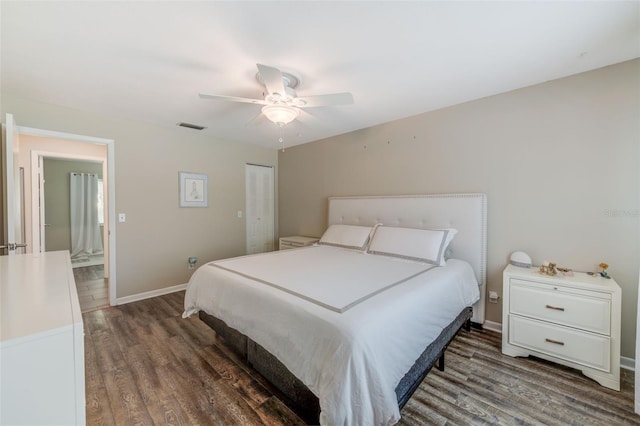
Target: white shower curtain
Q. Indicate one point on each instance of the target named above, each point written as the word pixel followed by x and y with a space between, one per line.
pixel 85 228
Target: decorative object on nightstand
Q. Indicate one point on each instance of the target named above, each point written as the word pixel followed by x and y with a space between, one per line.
pixel 520 259
pixel 603 273
pixel 296 241
pixel 570 320
pixel 567 272
pixel 548 268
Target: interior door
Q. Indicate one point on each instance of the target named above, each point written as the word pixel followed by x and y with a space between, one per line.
pixel 260 208
pixel 12 192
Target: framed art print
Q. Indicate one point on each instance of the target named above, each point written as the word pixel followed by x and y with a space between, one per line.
pixel 193 190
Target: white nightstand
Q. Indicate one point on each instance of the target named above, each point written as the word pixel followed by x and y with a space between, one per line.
pixel 296 241
pixel 574 321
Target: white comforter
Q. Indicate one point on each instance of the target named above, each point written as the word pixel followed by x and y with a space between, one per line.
pixel 351 360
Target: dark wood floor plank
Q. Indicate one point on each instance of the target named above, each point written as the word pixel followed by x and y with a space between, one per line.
pixel 93 288
pixel 485 402
pixel 160 404
pixel 555 382
pixel 535 397
pixel 500 389
pixel 196 334
pixel 273 412
pixel 125 399
pixel 228 405
pixel 147 365
pixel 185 396
pixel 426 405
pixel 98 408
pixel 236 376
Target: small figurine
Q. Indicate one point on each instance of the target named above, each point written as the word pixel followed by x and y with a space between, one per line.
pixel 548 268
pixel 603 272
pixel 566 271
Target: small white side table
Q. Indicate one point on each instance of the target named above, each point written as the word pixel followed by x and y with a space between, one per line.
pixel 296 241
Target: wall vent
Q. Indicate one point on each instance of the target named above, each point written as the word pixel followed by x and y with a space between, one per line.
pixel 191 126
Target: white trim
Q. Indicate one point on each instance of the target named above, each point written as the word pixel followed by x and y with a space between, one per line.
pixel 61 135
pixel 37 197
pixel 111 207
pixel 150 294
pixel 493 326
pixel 627 363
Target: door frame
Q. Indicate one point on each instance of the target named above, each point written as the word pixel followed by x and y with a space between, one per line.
pixel 11 217
pixel 110 195
pixel 37 197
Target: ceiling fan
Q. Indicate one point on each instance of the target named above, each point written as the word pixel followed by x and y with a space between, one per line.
pixel 281 104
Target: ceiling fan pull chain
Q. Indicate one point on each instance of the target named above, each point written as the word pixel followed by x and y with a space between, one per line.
pixel 281 138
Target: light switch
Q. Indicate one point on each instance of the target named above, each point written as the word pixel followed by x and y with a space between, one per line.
pixel 122 217
pixel 239 214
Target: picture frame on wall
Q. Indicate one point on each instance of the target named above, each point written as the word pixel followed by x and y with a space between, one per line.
pixel 193 190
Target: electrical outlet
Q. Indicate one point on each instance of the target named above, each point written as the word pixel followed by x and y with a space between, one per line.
pixel 192 261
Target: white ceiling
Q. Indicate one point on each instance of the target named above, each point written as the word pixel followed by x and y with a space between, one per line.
pixel 148 61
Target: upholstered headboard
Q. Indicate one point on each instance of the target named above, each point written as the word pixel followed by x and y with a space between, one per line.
pixel 465 212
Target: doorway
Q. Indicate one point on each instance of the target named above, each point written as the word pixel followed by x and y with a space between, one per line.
pixel 260 208
pixel 57 201
pixel 77 227
pixel 36 143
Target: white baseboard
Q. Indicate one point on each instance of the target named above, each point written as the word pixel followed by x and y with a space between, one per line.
pixel 493 326
pixel 150 294
pixel 626 363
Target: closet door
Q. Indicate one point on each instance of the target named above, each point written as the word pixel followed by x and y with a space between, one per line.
pixel 260 208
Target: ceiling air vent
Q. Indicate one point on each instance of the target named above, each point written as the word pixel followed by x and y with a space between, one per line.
pixel 191 126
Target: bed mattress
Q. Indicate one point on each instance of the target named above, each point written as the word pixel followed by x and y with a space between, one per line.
pixel 351 360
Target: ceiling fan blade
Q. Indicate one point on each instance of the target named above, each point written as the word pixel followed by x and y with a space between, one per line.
pixel 232 99
pixel 272 78
pixel 307 118
pixel 324 100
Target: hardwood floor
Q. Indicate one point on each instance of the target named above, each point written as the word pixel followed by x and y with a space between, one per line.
pixel 93 287
pixel 147 365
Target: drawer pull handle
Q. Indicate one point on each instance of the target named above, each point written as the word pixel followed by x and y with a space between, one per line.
pixel 555 342
pixel 556 308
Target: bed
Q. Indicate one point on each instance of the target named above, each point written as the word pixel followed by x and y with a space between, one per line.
pixel 346 353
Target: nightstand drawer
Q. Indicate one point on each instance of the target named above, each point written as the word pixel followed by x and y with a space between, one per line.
pixel 586 313
pixel 588 349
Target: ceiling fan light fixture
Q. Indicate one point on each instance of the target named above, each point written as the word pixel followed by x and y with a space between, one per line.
pixel 280 114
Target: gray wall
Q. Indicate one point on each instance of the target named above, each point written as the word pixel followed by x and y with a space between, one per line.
pixel 153 245
pixel 559 162
pixel 57 195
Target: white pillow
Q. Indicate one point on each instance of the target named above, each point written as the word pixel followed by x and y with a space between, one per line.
pixel 347 236
pixel 424 245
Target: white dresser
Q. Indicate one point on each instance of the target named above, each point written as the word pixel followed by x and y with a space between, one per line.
pixel 296 241
pixel 41 341
pixel 574 321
